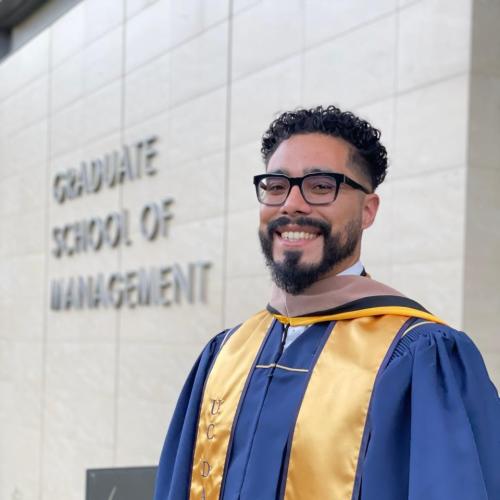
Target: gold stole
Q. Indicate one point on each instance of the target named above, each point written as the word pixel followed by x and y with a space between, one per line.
pixel 330 424
pixel 331 421
pixel 221 396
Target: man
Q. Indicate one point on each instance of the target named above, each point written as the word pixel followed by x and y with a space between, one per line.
pixel 342 388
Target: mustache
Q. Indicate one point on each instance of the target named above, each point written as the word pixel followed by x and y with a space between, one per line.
pixel 324 227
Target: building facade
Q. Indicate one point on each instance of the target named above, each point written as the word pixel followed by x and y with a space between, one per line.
pixel 130 133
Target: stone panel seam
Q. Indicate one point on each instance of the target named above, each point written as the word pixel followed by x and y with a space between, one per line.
pixel 426 173
pixel 84 96
pixel 23 86
pixel 246 8
pixel 170 49
pixel 179 104
pixel 467 209
pixel 314 46
pixel 302 52
pixel 453 259
pixel 17 132
pixel 431 82
pixel 70 56
pixel 46 273
pixel 227 161
pixel 394 122
pixel 118 315
pixel 408 4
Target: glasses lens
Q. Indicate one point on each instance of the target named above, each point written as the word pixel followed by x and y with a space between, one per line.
pixel 273 190
pixel 319 189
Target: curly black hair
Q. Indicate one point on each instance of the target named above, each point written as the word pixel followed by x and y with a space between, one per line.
pixel 367 151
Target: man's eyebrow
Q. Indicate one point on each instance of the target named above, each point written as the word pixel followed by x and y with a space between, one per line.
pixel 308 170
pixel 317 170
pixel 283 171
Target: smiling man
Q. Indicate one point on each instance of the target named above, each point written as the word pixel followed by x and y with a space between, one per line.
pixel 304 235
pixel 342 388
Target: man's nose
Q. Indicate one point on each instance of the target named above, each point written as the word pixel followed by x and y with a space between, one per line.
pixel 295 203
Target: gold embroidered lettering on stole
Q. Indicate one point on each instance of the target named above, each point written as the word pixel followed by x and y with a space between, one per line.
pixel 220 400
pixel 215 408
pixel 210 431
pixel 331 420
pixel 205 468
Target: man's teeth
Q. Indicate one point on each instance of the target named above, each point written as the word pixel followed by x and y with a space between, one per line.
pixel 296 235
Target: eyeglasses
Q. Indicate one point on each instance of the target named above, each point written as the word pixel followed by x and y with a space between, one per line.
pixel 319 188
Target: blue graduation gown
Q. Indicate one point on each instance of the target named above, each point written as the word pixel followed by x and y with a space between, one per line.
pixel 433 428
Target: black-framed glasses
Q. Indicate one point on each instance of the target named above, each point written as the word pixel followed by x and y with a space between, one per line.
pixel 319 188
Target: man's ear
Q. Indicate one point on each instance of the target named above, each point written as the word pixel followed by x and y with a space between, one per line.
pixel 370 208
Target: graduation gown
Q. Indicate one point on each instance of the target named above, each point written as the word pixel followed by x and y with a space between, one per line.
pixel 430 428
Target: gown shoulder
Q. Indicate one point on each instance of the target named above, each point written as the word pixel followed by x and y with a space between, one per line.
pixel 434 422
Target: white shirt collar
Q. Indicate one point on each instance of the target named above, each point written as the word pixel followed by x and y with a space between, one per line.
pixel 355 269
pixel 294 332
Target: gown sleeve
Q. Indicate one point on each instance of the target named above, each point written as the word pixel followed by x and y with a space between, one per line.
pixel 174 469
pixel 434 423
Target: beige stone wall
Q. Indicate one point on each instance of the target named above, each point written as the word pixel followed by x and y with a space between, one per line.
pixel 84 389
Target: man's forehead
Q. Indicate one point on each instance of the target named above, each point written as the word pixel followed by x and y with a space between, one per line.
pixel 310 150
pixel 301 154
pixel 306 170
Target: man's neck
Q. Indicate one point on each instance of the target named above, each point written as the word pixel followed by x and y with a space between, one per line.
pixel 343 267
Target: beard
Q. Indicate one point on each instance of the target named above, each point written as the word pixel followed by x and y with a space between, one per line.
pixel 294 277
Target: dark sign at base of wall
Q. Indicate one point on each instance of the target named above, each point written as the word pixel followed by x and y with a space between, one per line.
pixel 124 483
